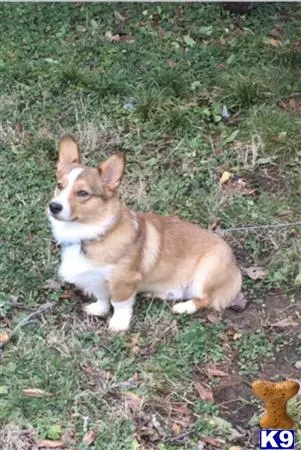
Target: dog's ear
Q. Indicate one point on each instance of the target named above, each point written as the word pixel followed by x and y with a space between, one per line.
pixel 68 151
pixel 111 171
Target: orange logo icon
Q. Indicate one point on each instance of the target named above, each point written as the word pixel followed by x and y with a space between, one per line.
pixel 275 397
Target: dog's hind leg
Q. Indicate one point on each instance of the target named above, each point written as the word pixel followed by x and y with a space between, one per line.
pixel 190 306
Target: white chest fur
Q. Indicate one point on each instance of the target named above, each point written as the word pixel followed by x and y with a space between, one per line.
pixel 77 269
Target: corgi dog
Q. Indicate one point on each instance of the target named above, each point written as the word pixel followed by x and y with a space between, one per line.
pixel 112 253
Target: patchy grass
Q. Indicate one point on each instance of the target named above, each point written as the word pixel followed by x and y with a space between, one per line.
pixel 158 93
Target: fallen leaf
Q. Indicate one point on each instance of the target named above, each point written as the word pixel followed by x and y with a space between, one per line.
pixel 274 43
pixel 255 272
pixel 235 448
pixel 132 400
pixel 212 441
pixel 213 318
pixel 50 444
pixel 205 392
pixel 285 323
pixel 212 371
pixel 298 364
pixel 226 176
pixel 221 67
pixel 36 393
pixel 118 17
pixel 236 336
pixel 112 38
pixel 176 428
pixel 284 213
pixel 239 303
pixel 89 437
pixel 4 337
pixel 134 343
pixel 67 294
pixel 214 225
pixel 200 445
pixel 277 32
pixel 53 285
pixel 88 370
pixel 127 38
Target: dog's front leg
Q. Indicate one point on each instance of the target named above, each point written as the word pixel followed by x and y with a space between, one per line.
pixel 122 299
pixel 101 307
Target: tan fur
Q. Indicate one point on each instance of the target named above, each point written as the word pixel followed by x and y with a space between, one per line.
pixel 148 252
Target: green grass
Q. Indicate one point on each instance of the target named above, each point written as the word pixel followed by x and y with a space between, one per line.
pixel 160 99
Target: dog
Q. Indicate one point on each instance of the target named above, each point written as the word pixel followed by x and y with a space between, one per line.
pixel 112 253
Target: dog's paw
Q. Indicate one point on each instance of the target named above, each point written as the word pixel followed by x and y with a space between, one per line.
pixel 184 308
pixel 99 309
pixel 118 323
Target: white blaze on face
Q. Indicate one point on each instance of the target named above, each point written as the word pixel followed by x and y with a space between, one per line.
pixel 63 196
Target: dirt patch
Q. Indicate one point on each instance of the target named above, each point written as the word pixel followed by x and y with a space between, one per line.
pixel 269 179
pixel 234 397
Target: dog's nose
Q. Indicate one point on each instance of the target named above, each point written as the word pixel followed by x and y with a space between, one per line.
pixel 55 207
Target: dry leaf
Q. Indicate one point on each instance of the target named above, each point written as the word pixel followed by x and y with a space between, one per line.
pixel 205 392
pixel 134 343
pixel 226 176
pixel 285 323
pixel 298 364
pixel 68 293
pixel 118 17
pixel 239 303
pixel 133 401
pixel 176 428
pixel 274 43
pixel 214 442
pixel 36 393
pixel 213 318
pixel 112 38
pixel 255 272
pixel 212 371
pixel 89 437
pixel 4 337
pixel 236 336
pixel 53 285
pixel 50 444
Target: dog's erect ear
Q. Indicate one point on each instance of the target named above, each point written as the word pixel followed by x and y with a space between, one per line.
pixel 111 171
pixel 68 151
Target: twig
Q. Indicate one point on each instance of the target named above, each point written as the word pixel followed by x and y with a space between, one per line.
pixel 31 318
pixel 261 227
pixel 180 437
pixel 295 94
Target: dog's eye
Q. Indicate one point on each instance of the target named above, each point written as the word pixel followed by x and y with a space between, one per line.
pixel 59 186
pixel 82 194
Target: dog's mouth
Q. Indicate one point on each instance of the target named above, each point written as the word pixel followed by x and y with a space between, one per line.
pixel 60 219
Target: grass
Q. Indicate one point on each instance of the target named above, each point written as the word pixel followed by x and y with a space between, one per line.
pixel 159 96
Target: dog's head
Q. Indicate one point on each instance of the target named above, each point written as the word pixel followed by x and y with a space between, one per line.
pixel 84 194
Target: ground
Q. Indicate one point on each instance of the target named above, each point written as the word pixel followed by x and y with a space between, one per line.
pixel 190 93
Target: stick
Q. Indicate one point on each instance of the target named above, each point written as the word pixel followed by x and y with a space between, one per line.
pixel 180 437
pixel 29 319
pixel 255 227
